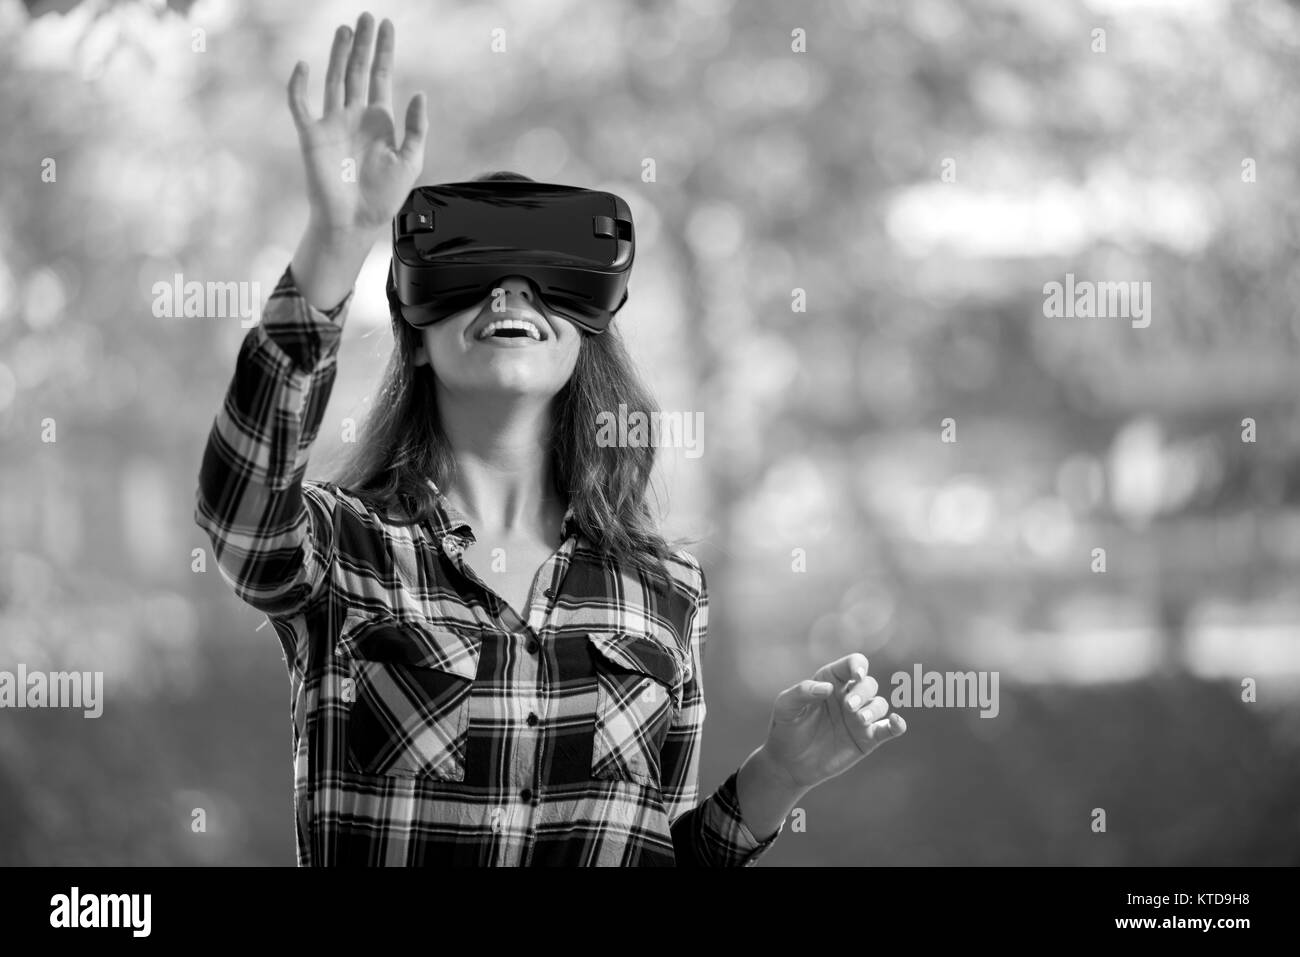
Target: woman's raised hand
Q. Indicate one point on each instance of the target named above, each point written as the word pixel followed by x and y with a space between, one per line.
pixel 357 174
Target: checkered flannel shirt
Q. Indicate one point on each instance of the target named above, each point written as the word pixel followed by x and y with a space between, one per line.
pixel 432 724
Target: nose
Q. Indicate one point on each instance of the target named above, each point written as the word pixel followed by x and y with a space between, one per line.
pixel 519 286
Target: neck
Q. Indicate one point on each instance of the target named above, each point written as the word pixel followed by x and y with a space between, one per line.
pixel 501 445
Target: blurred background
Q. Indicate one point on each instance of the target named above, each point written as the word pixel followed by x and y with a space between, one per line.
pixel 919 169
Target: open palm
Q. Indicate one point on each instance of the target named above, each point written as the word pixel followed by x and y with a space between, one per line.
pixel 357 174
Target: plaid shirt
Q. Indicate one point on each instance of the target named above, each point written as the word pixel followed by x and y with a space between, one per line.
pixel 432 725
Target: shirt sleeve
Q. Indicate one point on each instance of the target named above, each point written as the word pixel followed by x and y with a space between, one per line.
pixel 712 832
pixel 271 534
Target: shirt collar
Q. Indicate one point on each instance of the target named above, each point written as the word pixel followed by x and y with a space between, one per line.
pixel 450 520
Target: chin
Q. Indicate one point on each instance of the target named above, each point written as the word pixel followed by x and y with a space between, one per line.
pixel 515 378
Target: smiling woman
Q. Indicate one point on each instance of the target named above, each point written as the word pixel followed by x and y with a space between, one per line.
pixel 404 443
pixel 496 658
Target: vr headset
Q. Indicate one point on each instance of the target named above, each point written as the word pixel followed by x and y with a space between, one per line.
pixel 454 243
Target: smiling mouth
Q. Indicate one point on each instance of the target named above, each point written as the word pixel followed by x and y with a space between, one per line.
pixel 511 329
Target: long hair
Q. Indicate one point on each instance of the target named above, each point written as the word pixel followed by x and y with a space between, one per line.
pixel 402 444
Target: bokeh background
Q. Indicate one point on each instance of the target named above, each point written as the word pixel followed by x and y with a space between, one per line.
pixel 1169 157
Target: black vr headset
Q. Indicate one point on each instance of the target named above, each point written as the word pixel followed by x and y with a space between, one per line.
pixel 453 243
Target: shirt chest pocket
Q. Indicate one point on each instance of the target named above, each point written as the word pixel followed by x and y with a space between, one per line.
pixel 409 709
pixel 639 687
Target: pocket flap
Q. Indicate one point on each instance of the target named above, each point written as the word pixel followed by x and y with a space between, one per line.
pixel 642 654
pixel 372 637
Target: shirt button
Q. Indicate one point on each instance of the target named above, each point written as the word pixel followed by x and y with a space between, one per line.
pixel 549 593
pixel 533 646
pixel 532 719
pixel 526 794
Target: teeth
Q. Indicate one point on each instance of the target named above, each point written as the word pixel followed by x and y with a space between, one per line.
pixel 528 327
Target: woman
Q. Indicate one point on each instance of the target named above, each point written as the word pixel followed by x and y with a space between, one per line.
pixel 469 686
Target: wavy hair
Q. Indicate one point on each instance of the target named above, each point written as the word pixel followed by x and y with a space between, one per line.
pixel 402 443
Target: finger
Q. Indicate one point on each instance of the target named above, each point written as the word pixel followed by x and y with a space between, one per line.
pixel 886 729
pixel 792 702
pixel 859 692
pixel 334 73
pixel 417 125
pixel 841 670
pixel 381 74
pixel 298 105
pixel 354 81
pixel 873 710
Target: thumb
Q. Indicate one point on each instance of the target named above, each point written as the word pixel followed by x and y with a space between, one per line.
pixel 793 701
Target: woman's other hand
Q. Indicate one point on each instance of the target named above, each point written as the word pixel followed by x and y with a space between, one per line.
pixel 823 726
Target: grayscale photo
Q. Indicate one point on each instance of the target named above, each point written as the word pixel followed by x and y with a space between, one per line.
pixel 651 434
